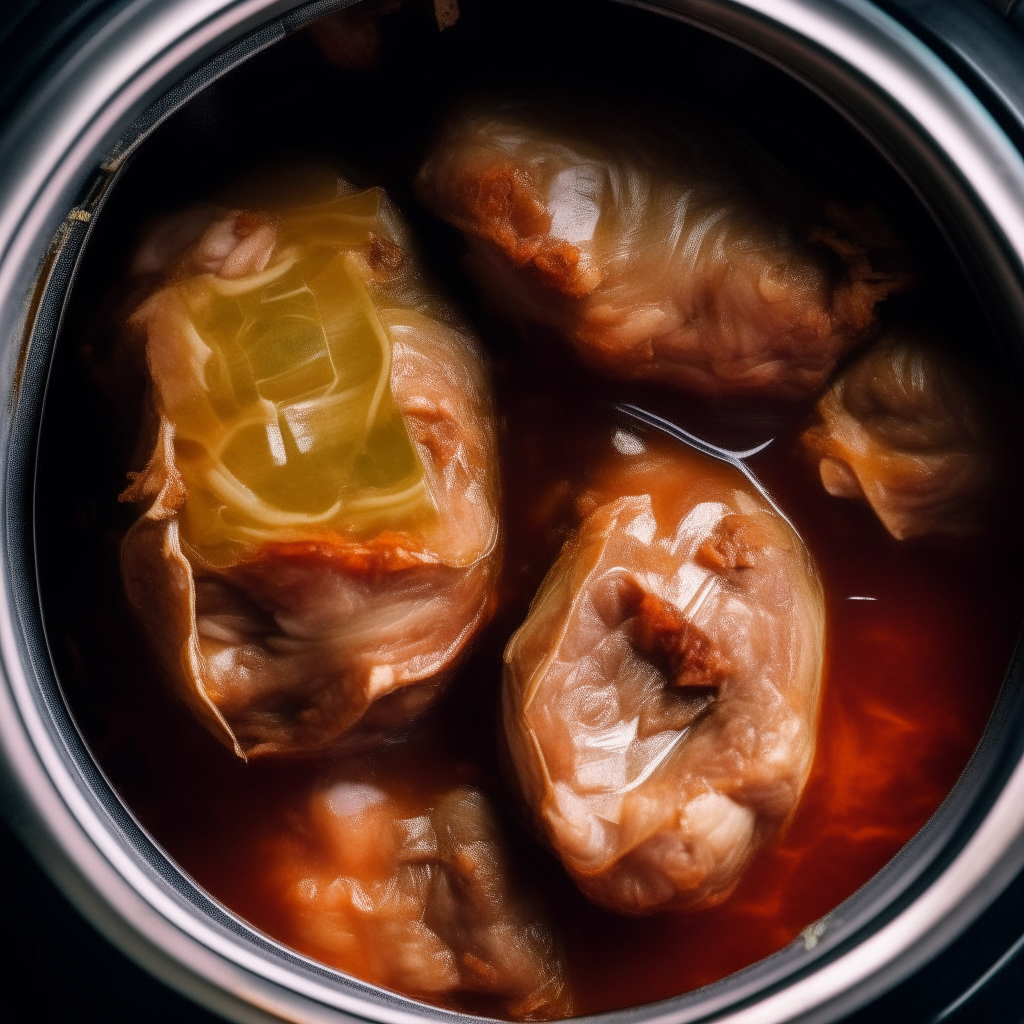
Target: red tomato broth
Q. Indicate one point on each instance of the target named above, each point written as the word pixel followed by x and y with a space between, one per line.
pixel 910 680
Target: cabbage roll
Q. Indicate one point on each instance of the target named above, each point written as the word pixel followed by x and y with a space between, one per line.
pixel 905 428
pixel 351 38
pixel 320 539
pixel 417 893
pixel 661 698
pixel 658 262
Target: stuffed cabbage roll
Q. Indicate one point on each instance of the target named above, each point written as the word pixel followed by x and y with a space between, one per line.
pixel 416 892
pixel 351 38
pixel 655 261
pixel 905 428
pixel 661 698
pixel 319 540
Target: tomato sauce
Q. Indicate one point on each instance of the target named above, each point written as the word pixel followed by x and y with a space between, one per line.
pixel 918 639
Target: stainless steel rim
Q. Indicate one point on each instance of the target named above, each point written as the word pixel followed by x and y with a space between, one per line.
pixel 848 51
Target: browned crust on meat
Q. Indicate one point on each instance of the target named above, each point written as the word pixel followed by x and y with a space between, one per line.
pixel 500 203
pixel 385 554
pixel 383 257
pixel 689 656
pixel 733 545
pixel 862 240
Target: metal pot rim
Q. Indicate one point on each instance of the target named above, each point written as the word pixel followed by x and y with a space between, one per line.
pixel 862 61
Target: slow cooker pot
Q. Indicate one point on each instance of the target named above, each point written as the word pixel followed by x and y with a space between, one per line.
pixel 938 88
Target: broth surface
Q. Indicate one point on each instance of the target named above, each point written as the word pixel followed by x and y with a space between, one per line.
pixel 918 639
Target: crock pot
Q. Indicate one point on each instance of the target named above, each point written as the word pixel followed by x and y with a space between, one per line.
pixel 938 88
